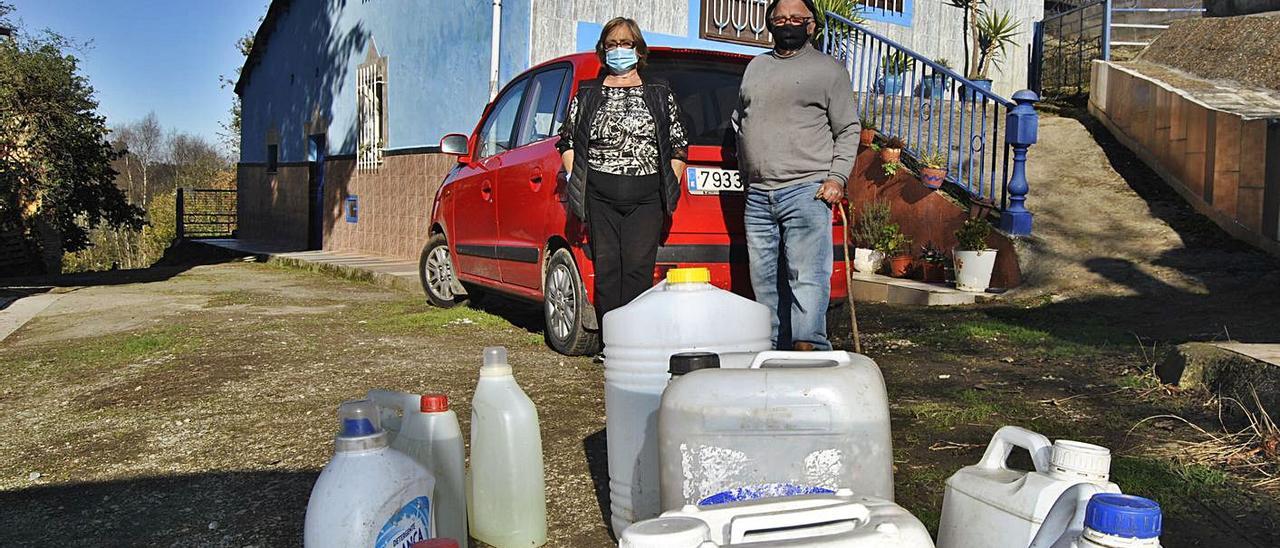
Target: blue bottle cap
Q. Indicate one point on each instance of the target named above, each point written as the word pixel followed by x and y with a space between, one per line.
pixel 352 428
pixel 358 418
pixel 1125 516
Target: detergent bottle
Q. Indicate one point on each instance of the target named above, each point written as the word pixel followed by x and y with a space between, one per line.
pixel 993 506
pixel 508 506
pixel 683 313
pixel 368 494
pixel 426 429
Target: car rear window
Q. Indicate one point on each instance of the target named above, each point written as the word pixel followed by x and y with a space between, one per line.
pixel 707 91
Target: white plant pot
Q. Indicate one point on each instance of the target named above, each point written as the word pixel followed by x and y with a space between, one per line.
pixel 867 261
pixel 973 269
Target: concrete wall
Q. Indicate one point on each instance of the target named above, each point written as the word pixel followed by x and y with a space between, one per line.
pixel 394 204
pixel 272 207
pixel 1226 165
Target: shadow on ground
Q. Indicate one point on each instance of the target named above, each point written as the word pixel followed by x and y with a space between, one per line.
pixel 179 258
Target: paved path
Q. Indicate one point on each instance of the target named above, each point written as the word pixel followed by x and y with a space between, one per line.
pixel 389 271
pixel 15 312
pixel 1269 353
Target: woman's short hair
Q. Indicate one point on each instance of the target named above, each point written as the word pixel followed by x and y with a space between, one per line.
pixel 642 49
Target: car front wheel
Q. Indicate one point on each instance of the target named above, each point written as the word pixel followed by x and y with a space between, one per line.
pixel 564 305
pixel 436 271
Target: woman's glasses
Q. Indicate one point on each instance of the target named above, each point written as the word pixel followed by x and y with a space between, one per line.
pixel 615 44
pixel 795 20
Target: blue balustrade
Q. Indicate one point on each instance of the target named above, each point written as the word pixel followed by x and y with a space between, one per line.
pixel 931 107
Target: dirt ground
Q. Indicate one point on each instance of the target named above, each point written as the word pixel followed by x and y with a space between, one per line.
pixel 195 405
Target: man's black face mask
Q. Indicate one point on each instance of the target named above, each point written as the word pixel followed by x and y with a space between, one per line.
pixel 789 37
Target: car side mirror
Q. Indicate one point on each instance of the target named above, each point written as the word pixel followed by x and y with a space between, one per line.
pixel 455 144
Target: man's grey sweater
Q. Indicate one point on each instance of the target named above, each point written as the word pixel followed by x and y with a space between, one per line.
pixel 796 120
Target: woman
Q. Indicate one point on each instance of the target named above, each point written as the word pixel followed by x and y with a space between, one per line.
pixel 624 147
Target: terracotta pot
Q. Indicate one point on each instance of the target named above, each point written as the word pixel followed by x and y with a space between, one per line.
pixel 890 155
pixel 899 266
pixel 932 177
pixel 867 137
pixel 934 272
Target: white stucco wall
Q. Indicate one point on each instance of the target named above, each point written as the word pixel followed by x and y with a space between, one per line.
pixel 555 22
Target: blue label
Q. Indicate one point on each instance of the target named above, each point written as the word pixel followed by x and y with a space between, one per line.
pixel 411 524
pixel 762 491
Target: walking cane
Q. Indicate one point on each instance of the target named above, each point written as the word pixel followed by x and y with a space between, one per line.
pixel 848 279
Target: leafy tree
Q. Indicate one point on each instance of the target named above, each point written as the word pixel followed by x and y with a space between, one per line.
pixel 230 133
pixel 56 172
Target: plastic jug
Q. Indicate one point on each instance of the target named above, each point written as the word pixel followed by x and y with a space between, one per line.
pixel 788 423
pixel 840 520
pixel 507 499
pixel 423 427
pixel 683 313
pixel 368 494
pixel 989 505
pixel 1116 521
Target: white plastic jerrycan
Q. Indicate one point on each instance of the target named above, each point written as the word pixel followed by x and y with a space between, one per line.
pixel 790 423
pixel 1106 520
pixel 423 427
pixel 681 314
pixel 368 494
pixel 508 505
pixel 840 520
pixel 989 505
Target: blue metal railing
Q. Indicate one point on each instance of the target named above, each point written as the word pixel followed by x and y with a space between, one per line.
pixel 932 108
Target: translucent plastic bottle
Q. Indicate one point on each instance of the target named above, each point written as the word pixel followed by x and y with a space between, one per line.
pixel 368 494
pixel 427 430
pixel 1117 521
pixel 508 506
pixel 684 313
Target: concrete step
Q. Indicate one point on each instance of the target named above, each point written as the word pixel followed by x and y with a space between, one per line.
pixel 884 289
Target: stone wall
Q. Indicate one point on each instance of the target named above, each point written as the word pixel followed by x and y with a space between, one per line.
pixel 1225 164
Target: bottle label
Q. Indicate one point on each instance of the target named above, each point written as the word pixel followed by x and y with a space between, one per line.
pixel 409 525
pixel 770 490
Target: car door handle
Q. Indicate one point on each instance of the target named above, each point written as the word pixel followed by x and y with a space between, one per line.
pixel 486 190
pixel 535 182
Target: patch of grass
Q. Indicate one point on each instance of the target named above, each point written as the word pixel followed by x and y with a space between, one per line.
pixel 1004 337
pixel 969 407
pixel 230 298
pixel 110 351
pixel 1169 483
pixel 1138 382
pixel 403 318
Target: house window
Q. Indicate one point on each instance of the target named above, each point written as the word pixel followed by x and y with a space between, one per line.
pixel 897 12
pixel 371 98
pixel 273 158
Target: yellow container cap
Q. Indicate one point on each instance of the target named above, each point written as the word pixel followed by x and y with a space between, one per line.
pixel 688 275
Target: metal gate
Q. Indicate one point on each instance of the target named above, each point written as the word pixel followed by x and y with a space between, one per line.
pixel 206 213
pixel 1063 49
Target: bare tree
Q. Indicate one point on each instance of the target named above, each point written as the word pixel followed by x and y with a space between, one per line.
pixel 148 148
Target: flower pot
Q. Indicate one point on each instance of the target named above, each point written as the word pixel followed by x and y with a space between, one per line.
pixel 932 177
pixel 867 137
pixel 933 86
pixel 890 84
pixel 933 272
pixel 971 95
pixel 973 269
pixel 890 155
pixel 867 261
pixel 900 265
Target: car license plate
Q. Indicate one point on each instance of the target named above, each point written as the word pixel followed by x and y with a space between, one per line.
pixel 704 180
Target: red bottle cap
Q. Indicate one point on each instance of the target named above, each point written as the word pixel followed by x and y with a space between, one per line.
pixel 435 403
pixel 436 543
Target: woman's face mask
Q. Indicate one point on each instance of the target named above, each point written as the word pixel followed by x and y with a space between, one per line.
pixel 621 60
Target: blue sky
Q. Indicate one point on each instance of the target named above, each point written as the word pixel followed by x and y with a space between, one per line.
pixel 161 55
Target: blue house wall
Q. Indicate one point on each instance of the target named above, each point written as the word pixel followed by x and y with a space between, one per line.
pixel 437 51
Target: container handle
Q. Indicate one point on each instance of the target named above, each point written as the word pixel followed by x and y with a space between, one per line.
pixel 400 401
pixel 741 526
pixel 1007 438
pixel 837 356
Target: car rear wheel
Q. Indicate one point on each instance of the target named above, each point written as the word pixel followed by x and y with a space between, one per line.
pixel 564 305
pixel 436 271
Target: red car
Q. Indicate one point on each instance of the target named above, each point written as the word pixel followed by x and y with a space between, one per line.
pixel 500 220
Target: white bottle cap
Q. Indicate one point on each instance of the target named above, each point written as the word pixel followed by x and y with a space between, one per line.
pixel 495 362
pixel 668 532
pixel 1077 460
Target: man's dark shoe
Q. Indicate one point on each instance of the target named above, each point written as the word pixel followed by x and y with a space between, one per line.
pixel 803 347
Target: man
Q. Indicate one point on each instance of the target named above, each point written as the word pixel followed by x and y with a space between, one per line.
pixel 797 128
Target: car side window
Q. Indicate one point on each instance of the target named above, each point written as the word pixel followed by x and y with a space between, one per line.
pixel 498 133
pixel 545 95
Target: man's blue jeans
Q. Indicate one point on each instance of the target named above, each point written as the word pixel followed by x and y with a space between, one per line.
pixel 790 246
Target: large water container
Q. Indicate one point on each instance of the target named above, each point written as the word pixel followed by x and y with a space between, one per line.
pixel 991 505
pixel 423 427
pixel 507 502
pixel 788 423
pixel 840 520
pixel 683 313
pixel 368 494
pixel 1107 520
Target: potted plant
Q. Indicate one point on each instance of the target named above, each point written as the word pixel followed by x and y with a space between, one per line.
pixel 891 168
pixel 973 259
pixel 893 66
pixel 994 32
pixel 934 85
pixel 933 168
pixel 868 121
pixel 897 246
pixel 933 263
pixel 891 152
pixel 867 233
